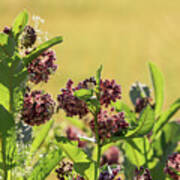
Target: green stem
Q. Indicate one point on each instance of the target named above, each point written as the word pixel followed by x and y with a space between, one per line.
pixel 3 144
pixel 98 148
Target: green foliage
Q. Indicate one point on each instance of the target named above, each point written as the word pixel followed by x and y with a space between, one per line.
pixel 40 49
pixel 158 85
pixel 145 123
pixel 166 116
pixel 137 151
pixel 84 94
pixel 19 24
pixel 41 135
pixel 82 163
pixel 45 165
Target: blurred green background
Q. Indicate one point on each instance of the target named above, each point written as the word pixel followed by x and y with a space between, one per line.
pixel 123 35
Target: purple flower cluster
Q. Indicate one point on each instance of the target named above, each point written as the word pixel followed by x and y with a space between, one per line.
pixel 141 103
pixel 29 37
pixel 110 91
pixel 72 134
pixel 64 170
pixel 109 125
pixel 71 104
pixel 37 108
pixel 106 175
pixel 40 68
pixel 173 166
pixel 6 30
pixel 111 156
pixel 87 84
pixel 143 174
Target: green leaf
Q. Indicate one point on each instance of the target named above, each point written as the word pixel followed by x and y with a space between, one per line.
pixel 164 145
pixel 129 114
pixel 42 134
pixel 7 45
pixel 41 48
pixel 19 24
pixel 137 151
pixel 84 94
pixel 45 165
pixel 98 75
pixel 145 125
pixel 82 163
pixel 4 96
pixel 6 120
pixel 166 116
pixel 158 85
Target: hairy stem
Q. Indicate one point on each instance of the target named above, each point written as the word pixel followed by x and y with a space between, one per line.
pixel 98 148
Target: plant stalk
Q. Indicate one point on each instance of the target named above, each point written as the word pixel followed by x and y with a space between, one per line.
pixel 98 148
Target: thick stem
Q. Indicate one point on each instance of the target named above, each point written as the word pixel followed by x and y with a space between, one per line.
pixel 98 148
pixel 3 144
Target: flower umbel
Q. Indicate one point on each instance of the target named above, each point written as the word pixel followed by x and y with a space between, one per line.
pixel 38 108
pixel 173 166
pixel 71 104
pixel 42 67
pixel 110 91
pixel 109 125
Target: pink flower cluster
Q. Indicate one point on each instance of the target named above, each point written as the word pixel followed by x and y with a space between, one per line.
pixel 111 156
pixel 42 67
pixel 106 175
pixel 37 108
pixel 71 104
pixel 64 170
pixel 109 125
pixel 173 166
pixel 143 174
pixel 110 91
pixel 72 134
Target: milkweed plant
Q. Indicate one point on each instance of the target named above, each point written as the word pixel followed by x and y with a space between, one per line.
pixel 100 138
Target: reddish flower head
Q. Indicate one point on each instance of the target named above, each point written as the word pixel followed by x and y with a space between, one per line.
pixel 42 67
pixel 37 108
pixel 111 156
pixel 109 125
pixel 173 166
pixel 71 104
pixel 110 91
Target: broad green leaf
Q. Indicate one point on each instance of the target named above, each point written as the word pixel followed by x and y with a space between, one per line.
pixel 42 134
pixel 4 96
pixel 82 163
pixel 7 45
pixel 83 94
pixel 40 49
pixel 98 75
pixel 129 114
pixel 45 165
pixel 137 151
pixel 158 85
pixel 6 121
pixel 145 125
pixel 19 24
pixel 165 145
pixel 166 116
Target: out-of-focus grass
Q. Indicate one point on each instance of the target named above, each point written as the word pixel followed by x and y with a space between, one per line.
pixel 123 35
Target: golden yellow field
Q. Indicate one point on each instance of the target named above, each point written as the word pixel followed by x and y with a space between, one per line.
pixel 123 35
